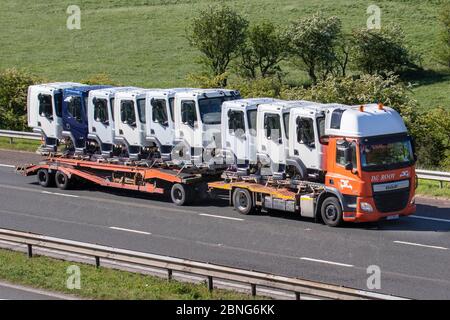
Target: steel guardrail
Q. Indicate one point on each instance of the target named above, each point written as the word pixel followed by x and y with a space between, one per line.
pixel 209 271
pixel 20 135
pixel 433 175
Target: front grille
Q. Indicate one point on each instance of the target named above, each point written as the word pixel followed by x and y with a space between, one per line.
pixel 391 201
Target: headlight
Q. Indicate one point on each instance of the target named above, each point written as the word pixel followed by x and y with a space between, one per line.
pixel 367 207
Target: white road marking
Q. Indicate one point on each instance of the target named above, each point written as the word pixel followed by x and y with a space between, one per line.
pixel 60 194
pixel 220 217
pixel 328 262
pixel 7 165
pixel 130 230
pixel 429 218
pixel 420 245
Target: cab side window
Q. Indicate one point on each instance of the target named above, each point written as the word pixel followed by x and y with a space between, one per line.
pixel 272 126
pixel 58 104
pixel 75 109
pixel 346 153
pixel 188 113
pixel 127 114
pixel 251 115
pixel 236 123
pixel 101 110
pixel 141 110
pixel 45 105
pixel 159 112
pixel 111 105
pixel 305 131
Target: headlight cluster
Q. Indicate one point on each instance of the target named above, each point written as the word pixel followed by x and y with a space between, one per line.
pixel 367 207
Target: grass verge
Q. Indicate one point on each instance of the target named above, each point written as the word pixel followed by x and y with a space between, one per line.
pixel 432 188
pixel 19 144
pixel 103 283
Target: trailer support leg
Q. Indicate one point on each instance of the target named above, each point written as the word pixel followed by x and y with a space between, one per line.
pixel 30 250
pixel 97 262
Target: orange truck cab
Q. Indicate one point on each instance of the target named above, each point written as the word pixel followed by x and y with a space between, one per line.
pixel 370 163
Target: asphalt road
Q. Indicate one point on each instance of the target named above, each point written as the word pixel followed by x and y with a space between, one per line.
pixel 13 292
pixel 412 253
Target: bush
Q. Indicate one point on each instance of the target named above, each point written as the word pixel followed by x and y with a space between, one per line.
pixel 314 41
pixel 13 98
pixel 269 87
pixel 205 80
pixel 99 79
pixel 264 50
pixel 218 32
pixel 382 51
pixel 352 91
pixel 432 134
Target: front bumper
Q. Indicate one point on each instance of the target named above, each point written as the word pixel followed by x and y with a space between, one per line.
pixel 362 216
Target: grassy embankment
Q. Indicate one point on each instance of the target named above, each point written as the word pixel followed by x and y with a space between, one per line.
pixel 103 283
pixel 143 43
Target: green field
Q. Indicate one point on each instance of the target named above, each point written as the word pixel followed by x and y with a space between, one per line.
pixel 142 42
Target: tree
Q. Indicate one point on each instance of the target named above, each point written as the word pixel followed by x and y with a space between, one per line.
pixel 379 51
pixel 443 52
pixel 13 98
pixel 314 41
pixel 218 32
pixel 265 48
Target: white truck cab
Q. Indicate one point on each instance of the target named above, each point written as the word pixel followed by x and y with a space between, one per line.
pixel 160 119
pixel 274 123
pixel 44 104
pixel 101 117
pixel 198 125
pixel 239 132
pixel 130 120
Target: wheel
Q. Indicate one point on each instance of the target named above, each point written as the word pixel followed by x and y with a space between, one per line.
pixel 62 180
pixel 180 194
pixel 242 201
pixel 45 178
pixel 332 212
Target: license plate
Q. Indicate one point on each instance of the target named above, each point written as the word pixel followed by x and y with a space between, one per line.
pixel 396 217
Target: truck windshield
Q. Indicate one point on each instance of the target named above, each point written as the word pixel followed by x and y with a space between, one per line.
pixel 377 155
pixel 211 108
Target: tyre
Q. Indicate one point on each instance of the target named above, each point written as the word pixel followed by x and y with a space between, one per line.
pixel 45 179
pixel 62 180
pixel 332 212
pixel 242 201
pixel 180 194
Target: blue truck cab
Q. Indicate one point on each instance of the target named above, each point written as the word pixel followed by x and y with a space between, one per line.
pixel 74 115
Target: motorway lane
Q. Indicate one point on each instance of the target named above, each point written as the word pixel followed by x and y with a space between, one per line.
pixel 413 253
